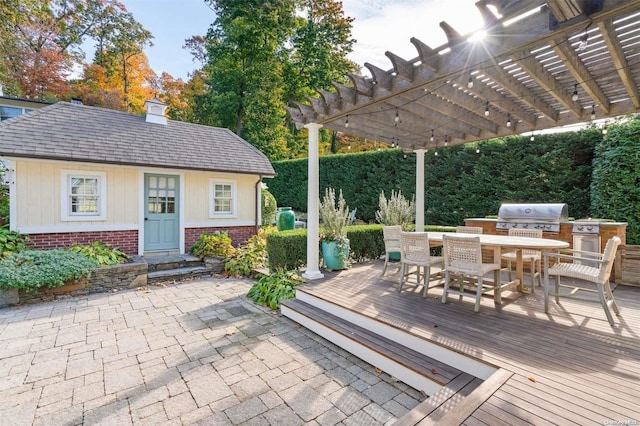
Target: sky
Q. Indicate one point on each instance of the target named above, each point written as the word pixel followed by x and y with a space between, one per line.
pixel 378 26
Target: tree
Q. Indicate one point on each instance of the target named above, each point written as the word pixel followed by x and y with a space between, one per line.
pixel 261 56
pixel 40 41
pixel 243 73
pixel 174 93
pixel 319 50
pixel 120 51
pixel 95 89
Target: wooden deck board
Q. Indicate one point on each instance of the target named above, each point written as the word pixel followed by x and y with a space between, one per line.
pixel 585 371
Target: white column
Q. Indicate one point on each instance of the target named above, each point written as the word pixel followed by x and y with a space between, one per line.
pixel 420 189
pixel 313 197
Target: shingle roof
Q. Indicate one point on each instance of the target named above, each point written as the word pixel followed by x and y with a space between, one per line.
pixel 65 131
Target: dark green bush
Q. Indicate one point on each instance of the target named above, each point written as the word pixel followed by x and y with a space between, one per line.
pixel 31 270
pixel 365 242
pixel 272 289
pixel 287 250
pixel 102 254
pixel 12 242
pixel 615 187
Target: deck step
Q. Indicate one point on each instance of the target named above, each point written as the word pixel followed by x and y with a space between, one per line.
pixel 177 274
pixel 416 367
pixel 431 410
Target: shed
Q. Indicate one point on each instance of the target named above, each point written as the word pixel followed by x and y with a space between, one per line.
pixel 144 184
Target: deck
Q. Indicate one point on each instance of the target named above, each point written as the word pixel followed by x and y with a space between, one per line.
pixel 568 367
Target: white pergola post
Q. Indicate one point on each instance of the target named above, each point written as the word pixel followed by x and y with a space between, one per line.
pixel 313 195
pixel 420 189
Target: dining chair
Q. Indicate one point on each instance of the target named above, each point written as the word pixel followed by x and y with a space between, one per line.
pixel 391 236
pixel 415 253
pixel 577 264
pixel 533 257
pixel 463 257
pixel 469 229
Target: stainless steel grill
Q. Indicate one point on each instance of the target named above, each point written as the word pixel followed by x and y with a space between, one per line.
pixel 532 216
pixel 586 227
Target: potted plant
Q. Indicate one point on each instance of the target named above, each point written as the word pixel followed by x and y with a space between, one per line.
pixel 335 218
pixel 397 210
pixel 214 249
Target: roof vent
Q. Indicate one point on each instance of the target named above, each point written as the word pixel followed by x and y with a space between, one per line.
pixel 155 111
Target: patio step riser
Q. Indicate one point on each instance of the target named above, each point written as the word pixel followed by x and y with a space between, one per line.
pixel 177 274
pixel 160 264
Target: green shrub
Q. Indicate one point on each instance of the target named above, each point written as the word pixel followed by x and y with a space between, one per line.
pixel 12 242
pixel 250 256
pixel 217 244
pixel 366 242
pixel 31 270
pixel 271 290
pixel 268 208
pixel 615 185
pixel 102 254
pixel 287 250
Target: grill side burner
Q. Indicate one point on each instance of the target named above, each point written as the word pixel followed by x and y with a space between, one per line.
pixel 532 216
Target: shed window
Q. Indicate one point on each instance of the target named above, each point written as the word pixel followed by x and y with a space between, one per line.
pixel 223 198
pixel 84 195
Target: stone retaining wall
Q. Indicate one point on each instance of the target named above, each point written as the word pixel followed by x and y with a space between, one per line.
pixel 105 279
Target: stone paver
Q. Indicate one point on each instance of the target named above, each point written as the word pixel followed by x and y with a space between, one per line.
pixel 192 353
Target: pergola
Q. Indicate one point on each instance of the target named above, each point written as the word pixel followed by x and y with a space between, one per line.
pixel 537 65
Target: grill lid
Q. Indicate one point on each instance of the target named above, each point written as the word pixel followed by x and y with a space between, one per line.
pixel 534 216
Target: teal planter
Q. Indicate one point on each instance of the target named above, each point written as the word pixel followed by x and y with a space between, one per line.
pixel 332 256
pixel 286 219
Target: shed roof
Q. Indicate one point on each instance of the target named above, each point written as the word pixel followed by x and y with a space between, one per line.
pixel 71 132
pixel 541 64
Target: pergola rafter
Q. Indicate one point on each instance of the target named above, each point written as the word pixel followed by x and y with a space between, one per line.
pixel 527 73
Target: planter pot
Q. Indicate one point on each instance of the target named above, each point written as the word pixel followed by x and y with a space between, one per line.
pixel 332 256
pixel 216 264
pixel 286 219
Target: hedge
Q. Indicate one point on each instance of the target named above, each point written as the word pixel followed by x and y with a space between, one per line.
pixel 459 182
pixel 287 250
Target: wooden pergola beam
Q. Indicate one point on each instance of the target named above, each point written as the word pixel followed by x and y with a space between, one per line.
pixel 580 72
pixel 537 72
pixel 534 91
pixel 519 91
pixel 564 10
pixel 620 62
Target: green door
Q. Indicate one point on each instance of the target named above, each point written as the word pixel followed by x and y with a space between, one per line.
pixel 161 219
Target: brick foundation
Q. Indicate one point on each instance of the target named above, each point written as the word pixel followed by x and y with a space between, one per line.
pixel 238 234
pixel 126 241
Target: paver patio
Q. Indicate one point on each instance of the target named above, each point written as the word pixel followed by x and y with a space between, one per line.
pixel 196 352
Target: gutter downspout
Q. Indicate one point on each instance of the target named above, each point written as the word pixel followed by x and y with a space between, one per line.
pixel 258 204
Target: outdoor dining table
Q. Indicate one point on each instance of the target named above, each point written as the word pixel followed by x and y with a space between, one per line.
pixel 497 243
